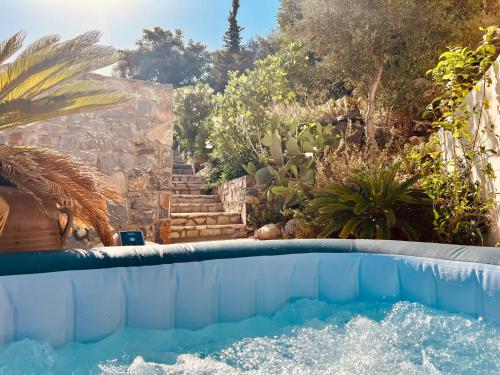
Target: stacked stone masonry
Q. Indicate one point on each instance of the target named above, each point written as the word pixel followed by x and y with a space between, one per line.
pixel 132 144
pixel 196 216
pixel 242 196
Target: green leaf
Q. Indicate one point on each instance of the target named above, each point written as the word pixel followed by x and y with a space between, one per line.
pixel 275 121
pixel 292 147
pixel 250 168
pixel 276 150
pixel 267 140
pixel 289 198
pixel 280 190
pixel 263 177
pixel 307 147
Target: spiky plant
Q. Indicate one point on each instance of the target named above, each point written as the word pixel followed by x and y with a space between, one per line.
pixel 374 204
pixel 45 81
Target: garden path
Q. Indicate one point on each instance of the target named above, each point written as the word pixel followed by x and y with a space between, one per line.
pixel 197 216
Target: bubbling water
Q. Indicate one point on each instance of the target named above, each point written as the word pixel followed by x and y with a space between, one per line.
pixel 305 337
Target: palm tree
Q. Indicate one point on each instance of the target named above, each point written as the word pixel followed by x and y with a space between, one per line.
pixel 46 81
pixel 374 204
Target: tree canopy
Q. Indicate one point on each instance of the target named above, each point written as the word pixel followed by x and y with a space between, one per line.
pixel 193 107
pixel 232 37
pixel 163 56
pixel 387 42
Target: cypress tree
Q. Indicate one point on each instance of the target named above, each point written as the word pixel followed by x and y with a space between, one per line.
pixel 232 37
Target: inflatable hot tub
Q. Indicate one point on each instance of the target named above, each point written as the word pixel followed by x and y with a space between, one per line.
pixel 85 295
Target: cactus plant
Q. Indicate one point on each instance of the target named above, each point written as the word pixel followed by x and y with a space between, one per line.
pixel 288 162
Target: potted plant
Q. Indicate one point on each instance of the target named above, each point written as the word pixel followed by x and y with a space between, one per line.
pixel 44 192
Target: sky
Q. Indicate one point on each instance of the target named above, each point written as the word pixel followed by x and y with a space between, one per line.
pixel 122 21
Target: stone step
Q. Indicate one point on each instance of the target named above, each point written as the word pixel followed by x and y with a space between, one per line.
pixel 186 191
pixel 191 233
pixel 186 185
pixel 183 171
pixel 181 166
pixel 205 218
pixel 195 207
pixel 178 161
pixel 195 198
pixel 182 178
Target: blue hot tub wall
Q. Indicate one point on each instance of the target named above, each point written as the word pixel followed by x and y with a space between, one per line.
pixel 79 295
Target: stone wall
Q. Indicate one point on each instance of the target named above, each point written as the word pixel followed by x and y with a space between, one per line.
pixel 240 195
pixel 132 144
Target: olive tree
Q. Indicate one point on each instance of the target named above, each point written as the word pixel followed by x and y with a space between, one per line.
pixel 379 47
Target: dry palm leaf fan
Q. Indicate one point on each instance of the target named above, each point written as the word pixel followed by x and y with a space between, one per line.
pixel 58 183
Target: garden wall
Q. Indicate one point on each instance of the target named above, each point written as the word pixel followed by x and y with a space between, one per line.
pixel 240 195
pixel 132 144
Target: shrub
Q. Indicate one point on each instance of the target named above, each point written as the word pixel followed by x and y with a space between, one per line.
pixel 193 109
pixel 456 166
pixel 244 111
pixel 374 204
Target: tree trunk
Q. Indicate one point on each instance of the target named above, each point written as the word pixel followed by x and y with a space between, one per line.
pixel 370 114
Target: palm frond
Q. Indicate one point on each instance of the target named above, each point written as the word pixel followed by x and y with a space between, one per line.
pixel 373 203
pixel 20 111
pixel 43 81
pixel 55 181
pixel 40 44
pixel 10 46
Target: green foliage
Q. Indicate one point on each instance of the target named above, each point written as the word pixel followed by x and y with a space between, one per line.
pixel 162 56
pixel 456 179
pixel 350 40
pixel 193 106
pixel 243 112
pixel 374 204
pixel 288 172
pixel 226 170
pixel 225 62
pixel 46 80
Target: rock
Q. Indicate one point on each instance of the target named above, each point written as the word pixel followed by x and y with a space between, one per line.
pixel 120 180
pixel 382 136
pixel 137 181
pixel 107 163
pixel 420 127
pixel 143 216
pixel 143 107
pixel 159 133
pixel 290 229
pixel 252 200
pixel 269 232
pixel 352 129
pixel 414 140
pixel 354 114
pixel 160 180
pixel 117 214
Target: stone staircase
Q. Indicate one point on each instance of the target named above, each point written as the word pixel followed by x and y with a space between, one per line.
pixel 197 216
